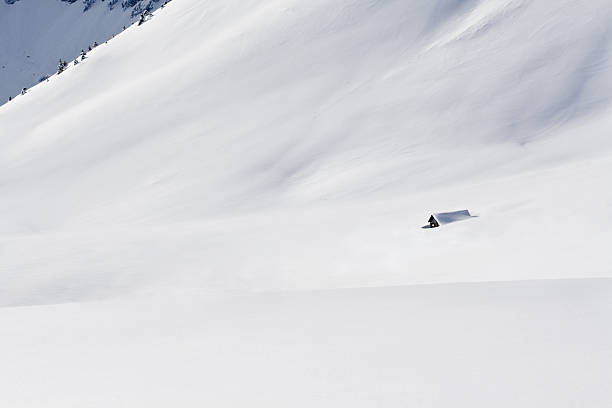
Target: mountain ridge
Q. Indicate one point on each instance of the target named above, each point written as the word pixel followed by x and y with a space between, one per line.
pixel 139 5
pixel 34 35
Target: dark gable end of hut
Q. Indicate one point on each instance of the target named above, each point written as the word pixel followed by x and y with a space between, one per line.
pixel 433 223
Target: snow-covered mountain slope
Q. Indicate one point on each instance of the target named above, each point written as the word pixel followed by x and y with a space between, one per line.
pixel 35 34
pixel 313 140
pixel 296 149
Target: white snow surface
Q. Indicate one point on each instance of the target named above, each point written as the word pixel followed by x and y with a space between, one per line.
pixel 224 205
pixel 527 344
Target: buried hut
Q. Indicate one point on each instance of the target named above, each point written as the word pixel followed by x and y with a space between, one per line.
pixel 438 219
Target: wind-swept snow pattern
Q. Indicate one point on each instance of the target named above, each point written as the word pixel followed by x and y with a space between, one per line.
pixel 223 206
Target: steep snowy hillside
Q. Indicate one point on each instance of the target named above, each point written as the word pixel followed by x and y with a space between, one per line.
pixel 315 139
pixel 35 34
pixel 296 149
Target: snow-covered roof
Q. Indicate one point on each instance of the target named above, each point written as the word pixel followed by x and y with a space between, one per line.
pixel 448 217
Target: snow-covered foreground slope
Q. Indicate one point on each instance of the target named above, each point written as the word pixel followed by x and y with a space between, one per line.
pixel 527 344
pixel 282 146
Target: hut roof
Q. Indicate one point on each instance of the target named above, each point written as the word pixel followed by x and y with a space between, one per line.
pixel 448 217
